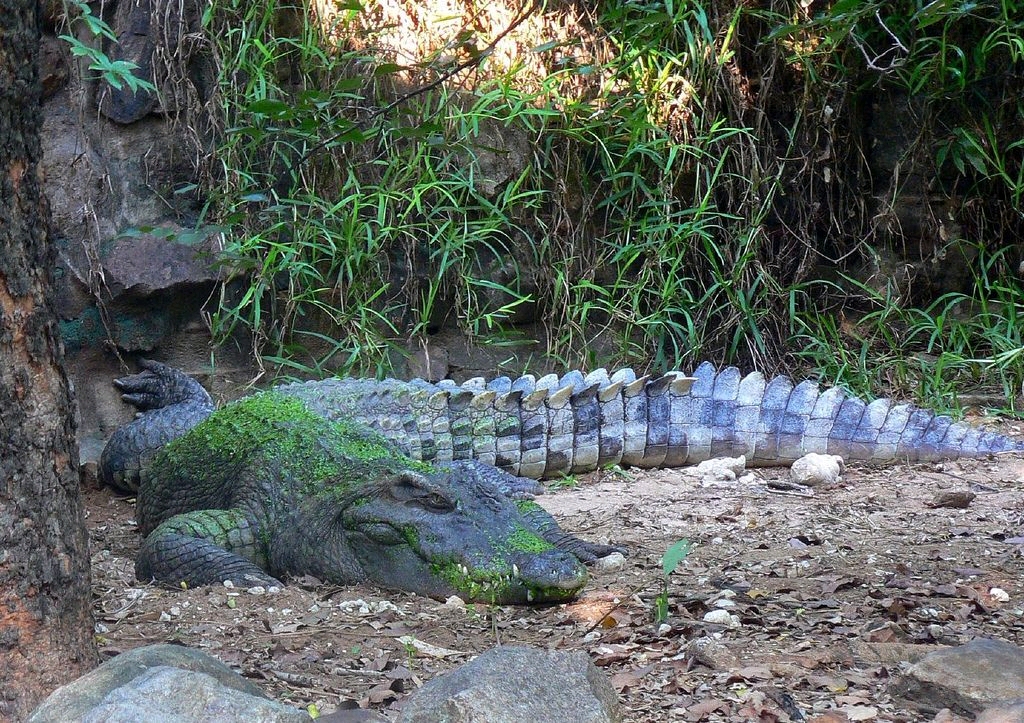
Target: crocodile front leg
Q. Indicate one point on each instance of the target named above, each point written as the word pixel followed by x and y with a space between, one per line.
pixel 202 548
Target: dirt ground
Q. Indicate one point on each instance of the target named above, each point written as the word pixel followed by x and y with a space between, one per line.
pixel 821 599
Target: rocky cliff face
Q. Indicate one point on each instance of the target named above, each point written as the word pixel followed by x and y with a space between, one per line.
pixel 134 280
pixel 131 280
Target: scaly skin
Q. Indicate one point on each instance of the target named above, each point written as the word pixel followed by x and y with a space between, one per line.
pixel 264 489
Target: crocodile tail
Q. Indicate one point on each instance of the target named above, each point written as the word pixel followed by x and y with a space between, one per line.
pixel 775 422
pixel 550 426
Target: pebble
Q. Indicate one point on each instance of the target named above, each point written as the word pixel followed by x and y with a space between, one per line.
pixel 722 617
pixel 999 594
pixel 609 563
pixel 817 469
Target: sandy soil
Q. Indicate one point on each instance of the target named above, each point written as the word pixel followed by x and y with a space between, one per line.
pixel 831 594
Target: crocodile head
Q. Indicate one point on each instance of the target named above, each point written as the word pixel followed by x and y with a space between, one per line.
pixel 437 532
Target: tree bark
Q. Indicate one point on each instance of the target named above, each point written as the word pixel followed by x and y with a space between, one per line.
pixel 46 628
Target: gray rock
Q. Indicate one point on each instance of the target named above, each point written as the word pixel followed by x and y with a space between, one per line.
pixel 500 153
pixel 76 699
pixel 428 361
pixel 513 684
pixel 145 263
pixel 1008 712
pixel 964 679
pixel 172 695
pixel 135 45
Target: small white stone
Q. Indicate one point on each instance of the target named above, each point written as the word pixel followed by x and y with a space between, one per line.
pixel 455 602
pixel 720 469
pixel 175 611
pixel 999 594
pixel 725 604
pixel 664 629
pixel 611 562
pixel 256 590
pixel 164 617
pixel 816 469
pixel 722 617
pixel 228 583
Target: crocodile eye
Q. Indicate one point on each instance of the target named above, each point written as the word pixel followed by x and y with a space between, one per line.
pixel 413 489
pixel 438 503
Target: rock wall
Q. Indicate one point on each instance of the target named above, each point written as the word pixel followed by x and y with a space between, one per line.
pixel 130 282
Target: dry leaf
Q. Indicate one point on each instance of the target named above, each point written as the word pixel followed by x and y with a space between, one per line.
pixel 630 678
pixel 860 712
pixel 954 499
pixel 832 716
pixel 699 711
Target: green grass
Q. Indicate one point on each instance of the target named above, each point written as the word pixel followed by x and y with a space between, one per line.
pixel 959 342
pixel 703 199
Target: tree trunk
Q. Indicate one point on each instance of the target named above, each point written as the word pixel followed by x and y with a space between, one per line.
pixel 46 629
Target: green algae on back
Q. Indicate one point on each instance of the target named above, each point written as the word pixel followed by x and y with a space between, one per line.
pixel 281 431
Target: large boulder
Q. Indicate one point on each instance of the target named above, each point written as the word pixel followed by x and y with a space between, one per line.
pixel 513 684
pixel 162 683
pixel 966 679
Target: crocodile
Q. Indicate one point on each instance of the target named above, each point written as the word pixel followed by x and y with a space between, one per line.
pixel 426 486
